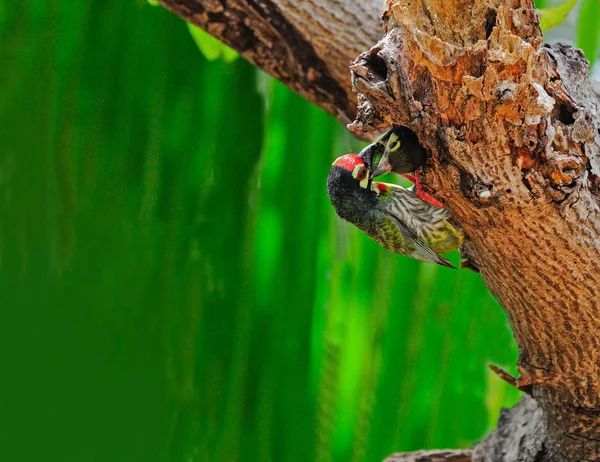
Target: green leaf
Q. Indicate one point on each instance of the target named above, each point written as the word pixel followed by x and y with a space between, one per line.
pixel 210 47
pixel 588 32
pixel 550 17
pixel 153 2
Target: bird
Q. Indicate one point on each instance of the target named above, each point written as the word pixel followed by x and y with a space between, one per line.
pixel 389 214
pixel 404 155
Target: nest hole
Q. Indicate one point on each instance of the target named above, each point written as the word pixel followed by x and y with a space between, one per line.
pixel 377 65
pixel 564 112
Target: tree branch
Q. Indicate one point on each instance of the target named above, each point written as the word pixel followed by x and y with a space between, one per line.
pixel 431 456
pixel 514 140
pixel 306 44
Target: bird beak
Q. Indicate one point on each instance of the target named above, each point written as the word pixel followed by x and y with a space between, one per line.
pixel 383 167
pixel 369 153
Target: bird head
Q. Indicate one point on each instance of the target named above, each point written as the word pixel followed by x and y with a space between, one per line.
pixel 388 214
pixel 350 185
pixel 402 152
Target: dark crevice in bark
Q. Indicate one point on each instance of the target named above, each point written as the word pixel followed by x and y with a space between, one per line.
pixel 490 22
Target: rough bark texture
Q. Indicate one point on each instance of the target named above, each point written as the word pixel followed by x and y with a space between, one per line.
pixel 520 435
pixel 431 456
pixel 512 128
pixel 513 134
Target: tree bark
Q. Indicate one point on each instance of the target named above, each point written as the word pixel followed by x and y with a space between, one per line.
pixel 432 456
pixel 512 129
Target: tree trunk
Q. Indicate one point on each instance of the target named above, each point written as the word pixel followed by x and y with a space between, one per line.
pixel 511 126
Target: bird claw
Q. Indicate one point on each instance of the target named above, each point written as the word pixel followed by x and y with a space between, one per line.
pixel 410 178
pixel 422 194
pixel 430 199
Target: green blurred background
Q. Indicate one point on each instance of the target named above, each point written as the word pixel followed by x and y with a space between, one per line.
pixel 175 284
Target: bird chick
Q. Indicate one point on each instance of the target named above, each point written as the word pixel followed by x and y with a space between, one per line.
pixel 404 155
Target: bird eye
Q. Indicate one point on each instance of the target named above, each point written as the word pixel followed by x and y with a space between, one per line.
pixel 362 173
pixel 394 145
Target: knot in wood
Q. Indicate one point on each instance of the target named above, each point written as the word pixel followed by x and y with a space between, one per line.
pixel 565 171
pixel 530 141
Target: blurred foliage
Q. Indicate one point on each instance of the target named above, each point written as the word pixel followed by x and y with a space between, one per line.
pixel 176 286
pixel 551 17
pixel 584 30
pixel 210 47
pixel 588 29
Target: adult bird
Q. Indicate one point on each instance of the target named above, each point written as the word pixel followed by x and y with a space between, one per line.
pixel 389 214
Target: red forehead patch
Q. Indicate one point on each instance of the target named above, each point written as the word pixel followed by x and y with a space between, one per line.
pixel 382 187
pixel 348 161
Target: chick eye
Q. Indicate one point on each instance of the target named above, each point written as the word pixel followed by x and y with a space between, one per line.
pixel 394 145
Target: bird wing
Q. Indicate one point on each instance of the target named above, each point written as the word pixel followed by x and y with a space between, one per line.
pixel 421 250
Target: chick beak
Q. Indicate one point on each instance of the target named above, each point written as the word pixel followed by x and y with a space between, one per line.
pixel 383 167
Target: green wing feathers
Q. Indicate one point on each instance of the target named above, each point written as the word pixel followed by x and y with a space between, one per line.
pixel 445 238
pixel 395 236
